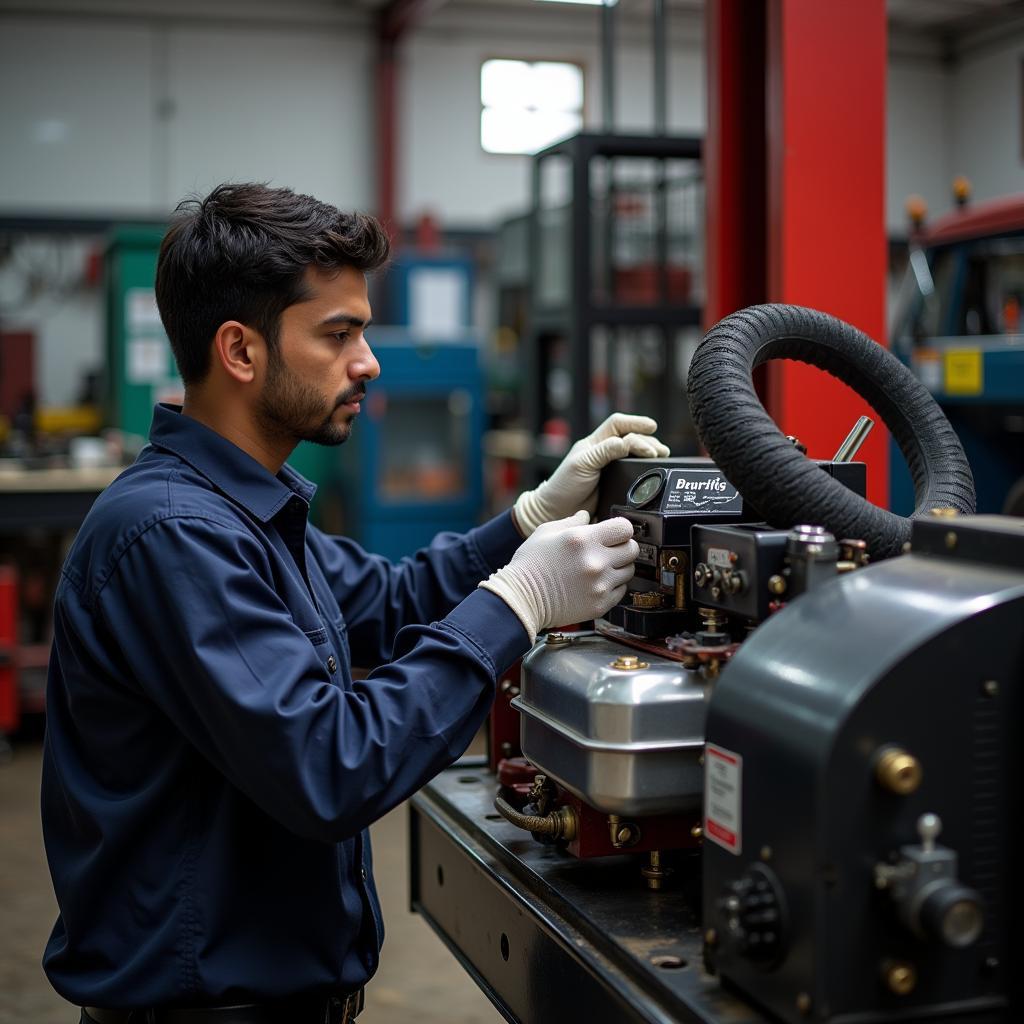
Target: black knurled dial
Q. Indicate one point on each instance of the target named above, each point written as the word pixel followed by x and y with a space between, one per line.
pixel 750 910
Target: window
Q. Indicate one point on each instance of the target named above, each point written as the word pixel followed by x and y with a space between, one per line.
pixel 527 105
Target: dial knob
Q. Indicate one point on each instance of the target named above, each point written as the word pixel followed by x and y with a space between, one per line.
pixel 752 913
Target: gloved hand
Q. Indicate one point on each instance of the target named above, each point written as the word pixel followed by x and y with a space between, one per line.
pixel 573 485
pixel 567 572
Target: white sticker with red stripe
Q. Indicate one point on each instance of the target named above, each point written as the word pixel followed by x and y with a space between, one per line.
pixel 723 778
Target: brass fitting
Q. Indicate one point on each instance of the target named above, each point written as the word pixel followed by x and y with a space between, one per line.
pixel 622 833
pixel 628 663
pixel 900 978
pixel 898 771
pixel 654 872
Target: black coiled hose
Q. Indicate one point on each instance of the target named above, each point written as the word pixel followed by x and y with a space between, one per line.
pixel 765 467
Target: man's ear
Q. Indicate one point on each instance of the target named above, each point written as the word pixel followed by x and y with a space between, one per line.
pixel 239 351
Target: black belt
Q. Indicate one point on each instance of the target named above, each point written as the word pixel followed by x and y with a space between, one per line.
pixel 319 1010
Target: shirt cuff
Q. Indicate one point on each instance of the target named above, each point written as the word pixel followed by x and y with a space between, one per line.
pixel 497 541
pixel 491 626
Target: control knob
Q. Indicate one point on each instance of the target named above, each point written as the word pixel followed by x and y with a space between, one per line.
pixel 751 912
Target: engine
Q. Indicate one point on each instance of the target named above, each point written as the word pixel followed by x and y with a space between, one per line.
pixel 803 700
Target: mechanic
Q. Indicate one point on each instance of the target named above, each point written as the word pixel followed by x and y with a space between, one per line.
pixel 211 766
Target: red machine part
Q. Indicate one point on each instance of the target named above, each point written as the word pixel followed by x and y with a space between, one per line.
pixel 642 834
pixel 599 834
pixel 503 724
pixel 9 710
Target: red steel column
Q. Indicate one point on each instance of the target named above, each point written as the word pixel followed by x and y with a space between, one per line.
pixel 734 157
pixel 826 203
pixel 387 133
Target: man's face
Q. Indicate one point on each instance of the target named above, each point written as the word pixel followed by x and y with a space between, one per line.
pixel 317 377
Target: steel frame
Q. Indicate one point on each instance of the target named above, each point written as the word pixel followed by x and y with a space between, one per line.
pixel 550 938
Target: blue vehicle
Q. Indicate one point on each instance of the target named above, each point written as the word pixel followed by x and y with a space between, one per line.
pixel 958 326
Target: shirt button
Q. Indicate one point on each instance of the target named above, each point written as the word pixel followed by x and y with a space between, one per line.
pixel 332 664
pixel 362 872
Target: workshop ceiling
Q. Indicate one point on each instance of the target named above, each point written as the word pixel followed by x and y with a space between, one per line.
pixel 931 15
pixel 942 18
pixel 945 20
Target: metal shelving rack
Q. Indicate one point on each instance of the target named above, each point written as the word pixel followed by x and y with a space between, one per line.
pixel 576 283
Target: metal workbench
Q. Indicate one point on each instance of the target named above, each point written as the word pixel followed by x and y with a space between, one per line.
pixel 551 938
pixel 52 499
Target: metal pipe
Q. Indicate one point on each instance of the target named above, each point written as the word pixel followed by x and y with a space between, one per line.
pixel 608 65
pixel 856 437
pixel 560 824
pixel 660 69
pixel 660 128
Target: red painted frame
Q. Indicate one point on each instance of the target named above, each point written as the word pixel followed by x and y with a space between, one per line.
pixel 806 79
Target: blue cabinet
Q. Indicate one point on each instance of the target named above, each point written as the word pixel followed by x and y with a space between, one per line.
pixel 413 465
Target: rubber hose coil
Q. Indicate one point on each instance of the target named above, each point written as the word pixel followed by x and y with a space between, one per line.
pixel 763 464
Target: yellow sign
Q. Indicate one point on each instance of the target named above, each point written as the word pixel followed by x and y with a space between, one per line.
pixel 963 374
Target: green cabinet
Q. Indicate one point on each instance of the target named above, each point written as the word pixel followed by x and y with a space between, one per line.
pixel 140 366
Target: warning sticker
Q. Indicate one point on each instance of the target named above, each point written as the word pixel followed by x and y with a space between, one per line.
pixel 723 776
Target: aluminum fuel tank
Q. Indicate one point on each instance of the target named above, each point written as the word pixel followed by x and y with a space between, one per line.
pixel 626 740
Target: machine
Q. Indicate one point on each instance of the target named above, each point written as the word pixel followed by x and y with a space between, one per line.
pixel 778 781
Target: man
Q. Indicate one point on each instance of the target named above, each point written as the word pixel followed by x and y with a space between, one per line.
pixel 211 767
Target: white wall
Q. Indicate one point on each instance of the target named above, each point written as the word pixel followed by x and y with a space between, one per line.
pixel 76 126
pixel 125 116
pixel 290 107
pixel 987 119
pixel 917 130
pixel 118 113
pixel 442 166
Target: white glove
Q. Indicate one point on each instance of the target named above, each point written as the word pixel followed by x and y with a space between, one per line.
pixel 574 484
pixel 567 572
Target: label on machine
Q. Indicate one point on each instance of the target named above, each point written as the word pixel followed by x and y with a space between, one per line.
pixel 700 490
pixel 723 777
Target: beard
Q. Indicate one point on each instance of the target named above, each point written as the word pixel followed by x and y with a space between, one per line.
pixel 292 410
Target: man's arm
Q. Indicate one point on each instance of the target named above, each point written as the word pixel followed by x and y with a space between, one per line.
pixel 204 634
pixel 377 598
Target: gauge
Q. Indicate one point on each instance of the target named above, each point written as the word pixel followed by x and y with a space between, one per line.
pixel 647 488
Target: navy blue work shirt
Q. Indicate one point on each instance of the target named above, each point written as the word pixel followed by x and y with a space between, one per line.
pixel 210 765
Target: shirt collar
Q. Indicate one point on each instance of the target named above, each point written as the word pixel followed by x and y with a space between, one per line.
pixel 225 465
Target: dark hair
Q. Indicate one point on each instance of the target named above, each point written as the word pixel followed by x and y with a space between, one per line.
pixel 241 254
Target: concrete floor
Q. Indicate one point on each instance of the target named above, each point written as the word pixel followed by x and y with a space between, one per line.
pixel 418 978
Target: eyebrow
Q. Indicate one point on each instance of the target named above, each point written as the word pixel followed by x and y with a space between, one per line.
pixel 344 318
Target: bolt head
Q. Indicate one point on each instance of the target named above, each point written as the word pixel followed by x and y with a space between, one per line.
pixel 901 979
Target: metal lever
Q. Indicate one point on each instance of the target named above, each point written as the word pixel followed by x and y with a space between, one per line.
pixel 854 439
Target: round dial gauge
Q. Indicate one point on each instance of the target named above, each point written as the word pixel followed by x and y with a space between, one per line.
pixel 646 489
